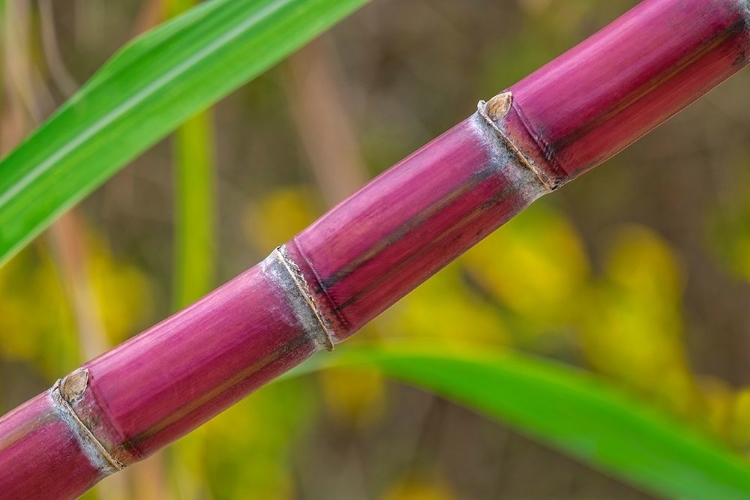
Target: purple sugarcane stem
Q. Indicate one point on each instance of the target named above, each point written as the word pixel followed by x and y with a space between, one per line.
pixel 412 220
pixel 604 94
pixel 373 248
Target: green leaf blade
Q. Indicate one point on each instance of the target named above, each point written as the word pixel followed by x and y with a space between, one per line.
pixel 570 411
pixel 142 94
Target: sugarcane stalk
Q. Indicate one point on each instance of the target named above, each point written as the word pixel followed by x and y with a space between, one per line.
pixel 373 248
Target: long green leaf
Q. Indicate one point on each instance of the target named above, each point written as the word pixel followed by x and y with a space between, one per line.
pixel 568 410
pixel 142 94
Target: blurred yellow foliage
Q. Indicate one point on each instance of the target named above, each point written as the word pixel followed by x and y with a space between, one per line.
pixel 718 406
pixel 445 309
pixel 641 261
pixel 38 324
pixel 536 266
pixel 254 458
pixel 631 320
pixel 739 427
pixel 741 255
pixel 419 489
pixel 278 216
pixel 123 293
pixel 355 398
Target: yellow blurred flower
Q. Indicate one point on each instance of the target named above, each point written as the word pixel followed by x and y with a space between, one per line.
pixel 275 218
pixel 631 322
pixel 123 293
pixel 354 397
pixel 444 309
pixel 535 265
pixel 419 489
pixel 38 324
pixel 739 427
pixel 719 405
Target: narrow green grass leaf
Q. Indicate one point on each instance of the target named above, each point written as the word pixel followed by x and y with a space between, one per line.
pixel 570 411
pixel 142 94
pixel 194 209
pixel 194 204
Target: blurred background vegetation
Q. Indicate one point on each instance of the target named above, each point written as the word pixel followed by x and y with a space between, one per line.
pixel 638 272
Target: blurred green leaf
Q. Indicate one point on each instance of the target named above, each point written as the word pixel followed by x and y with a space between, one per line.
pixel 569 410
pixel 194 206
pixel 143 93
